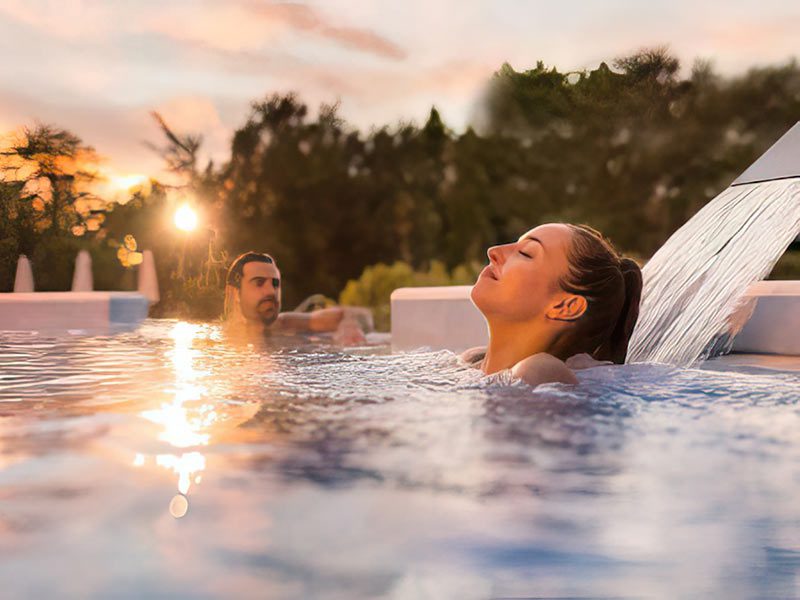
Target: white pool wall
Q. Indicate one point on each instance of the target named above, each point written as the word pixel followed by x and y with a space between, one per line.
pixel 445 318
pixel 42 311
pixel 436 317
pixel 774 327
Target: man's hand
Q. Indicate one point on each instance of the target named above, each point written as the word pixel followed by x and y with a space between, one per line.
pixel 362 315
pixel 349 332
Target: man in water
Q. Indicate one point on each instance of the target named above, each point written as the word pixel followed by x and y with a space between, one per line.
pixel 253 305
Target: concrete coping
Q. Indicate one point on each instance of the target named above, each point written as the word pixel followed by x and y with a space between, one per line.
pixel 56 311
pixel 774 288
pixel 70 297
pixel 450 292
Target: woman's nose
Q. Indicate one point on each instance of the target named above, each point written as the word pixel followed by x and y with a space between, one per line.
pixel 497 254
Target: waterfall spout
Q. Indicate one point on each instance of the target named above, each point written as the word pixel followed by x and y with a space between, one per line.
pixel 693 285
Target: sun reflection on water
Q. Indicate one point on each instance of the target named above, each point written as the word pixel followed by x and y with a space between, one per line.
pixel 185 425
pixel 196 413
pixel 184 466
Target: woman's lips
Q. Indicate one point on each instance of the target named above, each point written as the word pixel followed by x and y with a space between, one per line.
pixel 488 272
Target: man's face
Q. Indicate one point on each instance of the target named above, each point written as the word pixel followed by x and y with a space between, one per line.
pixel 260 292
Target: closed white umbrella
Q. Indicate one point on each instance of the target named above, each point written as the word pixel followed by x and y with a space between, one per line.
pixel 23 281
pixel 148 282
pixel 82 278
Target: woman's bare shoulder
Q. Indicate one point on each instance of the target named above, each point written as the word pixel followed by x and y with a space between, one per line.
pixel 585 361
pixel 543 368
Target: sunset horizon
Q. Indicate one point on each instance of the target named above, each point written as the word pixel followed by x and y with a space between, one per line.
pixel 100 69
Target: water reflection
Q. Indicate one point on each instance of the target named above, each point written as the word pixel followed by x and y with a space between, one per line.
pixel 385 476
pixel 184 423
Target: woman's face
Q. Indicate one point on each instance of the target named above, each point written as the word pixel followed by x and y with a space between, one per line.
pixel 521 282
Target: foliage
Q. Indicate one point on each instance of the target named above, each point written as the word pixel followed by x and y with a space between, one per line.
pixel 189 266
pixel 634 149
pixel 637 145
pixel 375 285
pixel 47 209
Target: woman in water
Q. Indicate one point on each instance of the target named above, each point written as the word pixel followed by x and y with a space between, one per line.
pixel 558 299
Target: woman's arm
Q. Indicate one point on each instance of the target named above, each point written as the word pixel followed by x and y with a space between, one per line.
pixel 543 368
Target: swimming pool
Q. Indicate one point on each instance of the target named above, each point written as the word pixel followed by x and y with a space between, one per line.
pixel 165 462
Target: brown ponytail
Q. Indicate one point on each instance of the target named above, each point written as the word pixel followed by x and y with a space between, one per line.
pixel 612 286
pixel 615 348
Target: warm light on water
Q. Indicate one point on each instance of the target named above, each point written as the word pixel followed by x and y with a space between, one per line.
pixel 178 506
pixel 186 218
pixel 185 419
pixel 176 463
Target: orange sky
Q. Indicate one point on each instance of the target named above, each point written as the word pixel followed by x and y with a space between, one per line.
pixel 99 67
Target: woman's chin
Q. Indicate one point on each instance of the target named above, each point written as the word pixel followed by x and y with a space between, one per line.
pixel 479 295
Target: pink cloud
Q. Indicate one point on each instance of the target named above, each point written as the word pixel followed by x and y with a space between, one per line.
pixel 250 27
pixel 304 18
pixel 75 20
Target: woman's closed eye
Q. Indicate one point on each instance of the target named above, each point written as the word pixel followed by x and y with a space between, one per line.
pixel 525 254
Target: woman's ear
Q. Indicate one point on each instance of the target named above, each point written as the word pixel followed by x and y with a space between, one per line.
pixel 568 308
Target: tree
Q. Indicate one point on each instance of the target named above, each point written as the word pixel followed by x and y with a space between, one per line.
pixel 46 178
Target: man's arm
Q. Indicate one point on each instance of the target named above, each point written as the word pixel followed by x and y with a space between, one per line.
pixel 324 320
pixel 327 319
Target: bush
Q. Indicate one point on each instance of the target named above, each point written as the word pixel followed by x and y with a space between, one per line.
pixel 374 287
pixel 53 262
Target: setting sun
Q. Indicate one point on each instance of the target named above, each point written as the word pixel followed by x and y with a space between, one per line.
pixel 185 218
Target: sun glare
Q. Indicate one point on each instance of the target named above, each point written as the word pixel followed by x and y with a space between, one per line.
pixel 186 218
pixel 126 182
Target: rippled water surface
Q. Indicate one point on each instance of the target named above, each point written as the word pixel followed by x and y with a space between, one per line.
pixel 169 463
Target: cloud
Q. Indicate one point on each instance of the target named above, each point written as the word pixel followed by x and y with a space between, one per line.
pixel 75 20
pixel 252 27
pixel 302 18
pixel 228 25
pixel 98 68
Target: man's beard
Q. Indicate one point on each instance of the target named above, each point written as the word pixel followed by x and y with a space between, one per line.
pixel 268 318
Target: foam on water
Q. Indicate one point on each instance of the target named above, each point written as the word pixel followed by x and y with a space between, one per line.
pixel 694 283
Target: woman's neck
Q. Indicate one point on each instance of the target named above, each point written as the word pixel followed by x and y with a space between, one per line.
pixel 509 344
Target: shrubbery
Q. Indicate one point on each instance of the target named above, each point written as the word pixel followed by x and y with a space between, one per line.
pixel 376 284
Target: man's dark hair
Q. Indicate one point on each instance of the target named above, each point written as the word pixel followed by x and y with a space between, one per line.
pixel 236 269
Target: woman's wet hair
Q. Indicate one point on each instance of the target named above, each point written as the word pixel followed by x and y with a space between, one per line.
pixel 235 271
pixel 612 286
